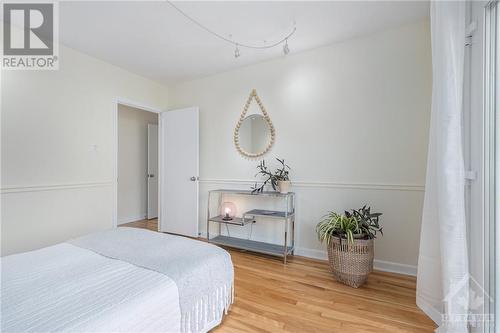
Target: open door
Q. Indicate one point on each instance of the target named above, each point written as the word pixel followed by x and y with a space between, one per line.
pixel 179 166
pixel 152 171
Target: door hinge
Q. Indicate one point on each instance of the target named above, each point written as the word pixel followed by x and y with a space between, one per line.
pixel 469 32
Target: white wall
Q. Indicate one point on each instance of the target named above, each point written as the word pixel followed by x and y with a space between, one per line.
pixel 57 148
pixel 133 162
pixel 352 121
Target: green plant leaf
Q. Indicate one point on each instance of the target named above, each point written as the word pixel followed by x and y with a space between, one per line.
pixel 354 222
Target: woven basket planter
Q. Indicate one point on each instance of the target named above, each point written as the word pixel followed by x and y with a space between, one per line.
pixel 351 262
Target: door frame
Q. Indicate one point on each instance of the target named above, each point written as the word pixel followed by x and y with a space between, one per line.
pixel 137 105
pixel 482 229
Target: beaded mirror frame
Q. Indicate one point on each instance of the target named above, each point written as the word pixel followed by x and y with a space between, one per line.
pixel 253 96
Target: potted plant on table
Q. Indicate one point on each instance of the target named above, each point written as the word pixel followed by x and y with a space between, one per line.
pixel 282 177
pixel 349 239
pixel 279 179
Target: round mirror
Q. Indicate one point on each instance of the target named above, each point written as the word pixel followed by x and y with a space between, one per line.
pixel 254 134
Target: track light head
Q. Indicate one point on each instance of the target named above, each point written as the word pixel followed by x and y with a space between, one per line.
pixel 237 52
pixel 286 50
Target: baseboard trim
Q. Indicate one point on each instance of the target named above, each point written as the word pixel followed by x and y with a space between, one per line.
pixel 434 314
pixel 311 253
pixel 394 267
pixel 311 184
pixel 52 187
pixel 132 219
pixel 380 265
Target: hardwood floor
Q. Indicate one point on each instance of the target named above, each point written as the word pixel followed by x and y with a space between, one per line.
pixel 144 224
pixel 302 296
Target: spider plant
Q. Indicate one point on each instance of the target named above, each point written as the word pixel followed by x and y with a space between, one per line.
pixel 356 223
pixel 337 225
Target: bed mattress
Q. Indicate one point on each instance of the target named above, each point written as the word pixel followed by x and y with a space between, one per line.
pixel 65 288
pixel 123 280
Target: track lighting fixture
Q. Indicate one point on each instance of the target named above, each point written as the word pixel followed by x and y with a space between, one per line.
pixel 238 44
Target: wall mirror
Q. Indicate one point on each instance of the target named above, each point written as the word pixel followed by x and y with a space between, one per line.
pixel 254 134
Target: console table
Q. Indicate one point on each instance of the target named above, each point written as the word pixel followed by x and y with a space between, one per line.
pixel 285 216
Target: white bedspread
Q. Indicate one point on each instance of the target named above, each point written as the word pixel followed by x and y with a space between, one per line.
pixel 202 272
pixel 70 289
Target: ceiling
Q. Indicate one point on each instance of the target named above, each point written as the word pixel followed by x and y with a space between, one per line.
pixel 154 40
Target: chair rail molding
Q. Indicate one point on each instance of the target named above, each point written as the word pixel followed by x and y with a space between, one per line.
pixel 319 184
pixel 52 187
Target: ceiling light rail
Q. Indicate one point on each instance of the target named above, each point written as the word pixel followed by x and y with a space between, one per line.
pixel 237 44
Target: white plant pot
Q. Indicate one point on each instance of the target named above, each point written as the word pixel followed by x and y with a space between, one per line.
pixel 284 186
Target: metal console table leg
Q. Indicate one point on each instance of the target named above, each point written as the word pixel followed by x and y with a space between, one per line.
pixel 286 231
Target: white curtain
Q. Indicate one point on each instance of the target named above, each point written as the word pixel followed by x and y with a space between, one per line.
pixel 442 280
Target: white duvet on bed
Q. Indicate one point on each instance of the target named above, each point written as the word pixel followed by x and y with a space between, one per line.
pixel 70 289
pixel 202 272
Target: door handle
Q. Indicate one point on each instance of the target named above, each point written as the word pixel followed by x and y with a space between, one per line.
pixel 193 178
pixel 150 175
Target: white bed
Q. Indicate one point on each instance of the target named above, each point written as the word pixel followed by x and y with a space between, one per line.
pixel 125 280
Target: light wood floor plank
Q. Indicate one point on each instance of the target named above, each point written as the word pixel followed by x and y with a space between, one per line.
pixel 302 296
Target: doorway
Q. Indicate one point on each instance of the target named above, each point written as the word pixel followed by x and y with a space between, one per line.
pixel 137 166
pixel 175 181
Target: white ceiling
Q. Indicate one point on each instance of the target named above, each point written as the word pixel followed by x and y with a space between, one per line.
pixel 152 39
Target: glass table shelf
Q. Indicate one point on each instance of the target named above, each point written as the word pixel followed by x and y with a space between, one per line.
pixel 286 215
pixel 248 192
pixel 251 245
pixel 268 213
pixel 235 221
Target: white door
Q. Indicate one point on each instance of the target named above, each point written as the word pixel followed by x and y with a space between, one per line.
pixel 152 171
pixel 179 148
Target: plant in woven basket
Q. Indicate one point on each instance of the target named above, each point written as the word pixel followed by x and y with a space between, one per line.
pixel 349 238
